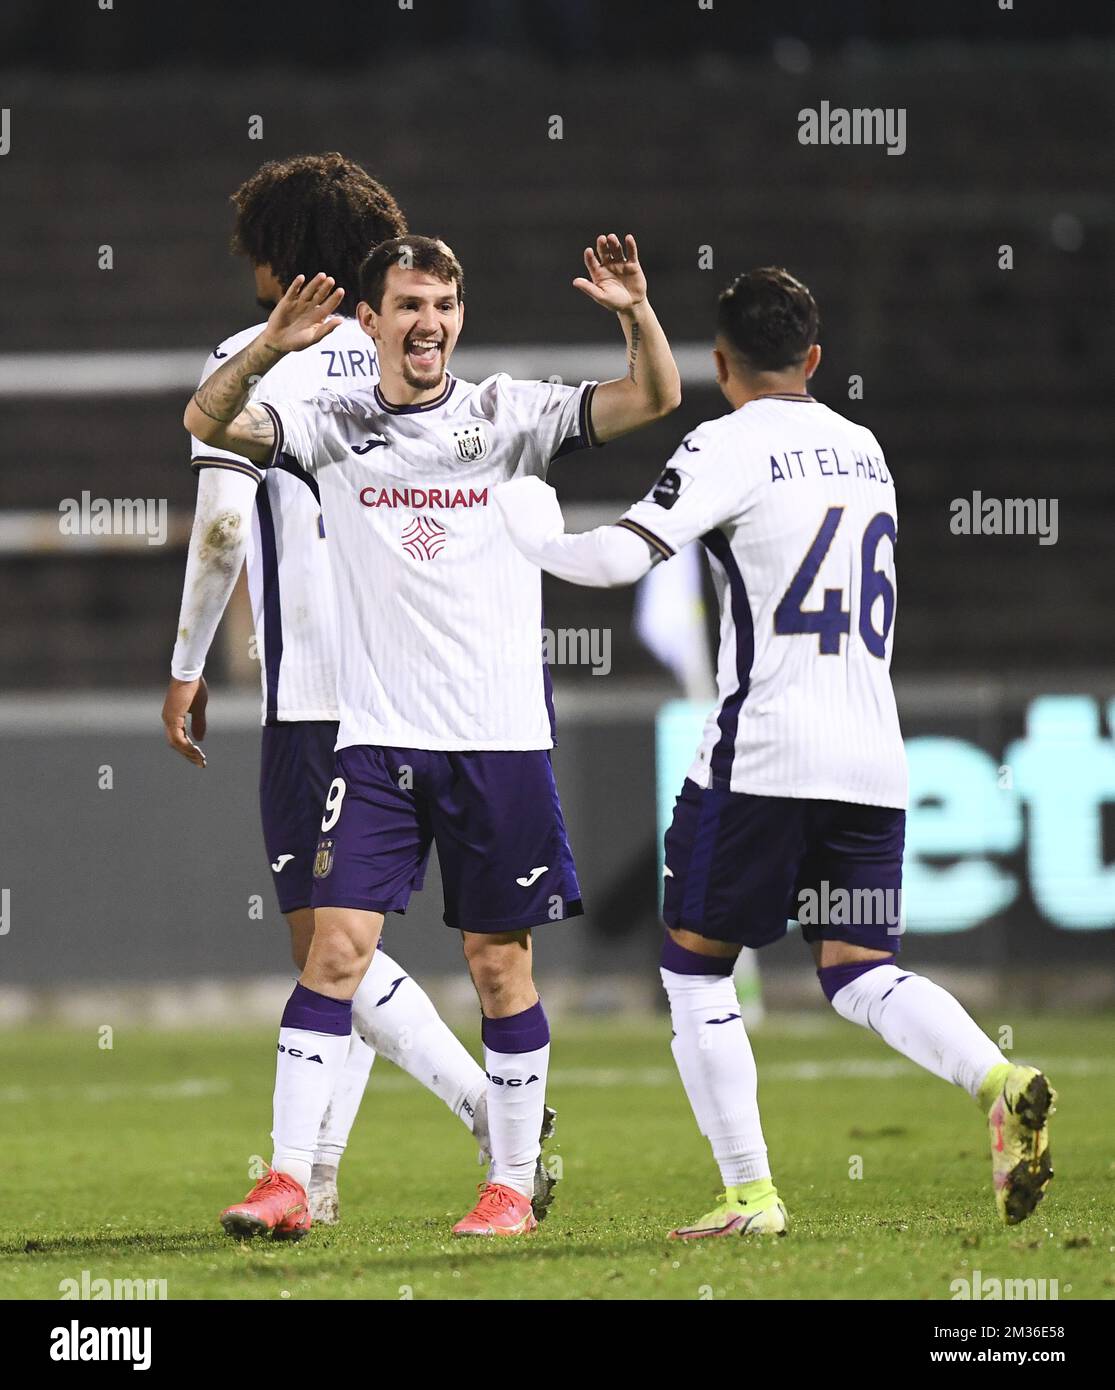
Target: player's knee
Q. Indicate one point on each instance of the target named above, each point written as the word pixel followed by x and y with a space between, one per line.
pixel 340 951
pixel 493 978
pixel 501 975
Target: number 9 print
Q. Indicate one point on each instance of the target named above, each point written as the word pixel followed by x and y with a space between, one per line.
pixel 333 802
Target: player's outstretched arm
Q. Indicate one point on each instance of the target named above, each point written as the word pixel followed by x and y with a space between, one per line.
pixel 219 413
pixel 218 541
pixel 606 558
pixel 652 386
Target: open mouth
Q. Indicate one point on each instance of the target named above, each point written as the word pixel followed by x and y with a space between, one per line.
pixel 423 354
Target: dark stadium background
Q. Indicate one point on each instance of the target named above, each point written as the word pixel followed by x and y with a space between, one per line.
pixel 129 128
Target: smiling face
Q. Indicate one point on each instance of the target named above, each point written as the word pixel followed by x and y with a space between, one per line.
pixel 415 329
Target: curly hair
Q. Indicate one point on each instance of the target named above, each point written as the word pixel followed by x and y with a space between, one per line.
pixel 313 212
pixel 769 318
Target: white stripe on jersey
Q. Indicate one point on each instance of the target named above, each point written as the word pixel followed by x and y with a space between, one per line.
pixel 293 602
pixel 440 615
pixel 796 509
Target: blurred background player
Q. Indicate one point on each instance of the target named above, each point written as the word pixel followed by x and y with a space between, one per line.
pixel 446 717
pixel 795 804
pixel 321 210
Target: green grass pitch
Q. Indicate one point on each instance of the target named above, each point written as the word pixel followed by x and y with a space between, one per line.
pixel 116 1162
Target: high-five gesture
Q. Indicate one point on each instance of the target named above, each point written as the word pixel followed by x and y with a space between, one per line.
pixel 220 412
pixel 652 387
pixel 305 314
pixel 617 280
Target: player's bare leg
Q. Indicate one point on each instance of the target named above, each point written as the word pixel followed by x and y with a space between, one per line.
pixel 717 1069
pixel 925 1023
pixel 301 924
pixel 313 1044
pixel 516 1058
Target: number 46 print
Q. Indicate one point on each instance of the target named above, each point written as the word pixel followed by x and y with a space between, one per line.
pixel 831 621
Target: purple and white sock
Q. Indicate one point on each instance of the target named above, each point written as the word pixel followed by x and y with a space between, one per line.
pixel 395 1015
pixel 516 1059
pixel 715 1061
pixel 313 1044
pixel 916 1017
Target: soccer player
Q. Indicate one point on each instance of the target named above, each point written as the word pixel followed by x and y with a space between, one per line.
pixel 310 209
pixel 796 797
pixel 445 729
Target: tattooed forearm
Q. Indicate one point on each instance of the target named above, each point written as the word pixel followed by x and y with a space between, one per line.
pixel 219 412
pixel 259 422
pixel 219 419
pixel 633 351
pixel 222 395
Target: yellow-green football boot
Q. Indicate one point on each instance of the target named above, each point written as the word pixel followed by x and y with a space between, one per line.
pixel 1018 1102
pixel 754 1209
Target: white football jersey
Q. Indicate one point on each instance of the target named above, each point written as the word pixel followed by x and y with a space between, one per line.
pixel 796 508
pixel 294 607
pixel 440 617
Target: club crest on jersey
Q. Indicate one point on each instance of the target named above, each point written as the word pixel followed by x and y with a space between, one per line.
pixel 323 859
pixel 470 442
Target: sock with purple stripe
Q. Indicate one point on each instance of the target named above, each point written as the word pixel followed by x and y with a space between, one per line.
pixel 516 1060
pixel 714 1059
pixel 916 1017
pixel 683 961
pixel 313 1045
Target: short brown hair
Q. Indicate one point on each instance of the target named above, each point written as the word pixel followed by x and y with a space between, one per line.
pixel 311 213
pixel 769 318
pixel 413 253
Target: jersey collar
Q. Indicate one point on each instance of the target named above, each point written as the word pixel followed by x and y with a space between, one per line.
pixel 385 404
pixel 784 396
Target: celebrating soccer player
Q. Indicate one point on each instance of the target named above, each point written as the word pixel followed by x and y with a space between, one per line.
pixel 794 805
pixel 445 719
pixel 310 208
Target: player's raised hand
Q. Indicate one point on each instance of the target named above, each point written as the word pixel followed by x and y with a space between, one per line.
pixel 182 698
pixel 305 314
pixel 616 278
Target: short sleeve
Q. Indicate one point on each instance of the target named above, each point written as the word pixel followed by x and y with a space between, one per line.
pixel 557 418
pixel 698 490
pixel 306 432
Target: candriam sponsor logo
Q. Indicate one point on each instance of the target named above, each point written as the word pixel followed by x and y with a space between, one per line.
pixel 423 498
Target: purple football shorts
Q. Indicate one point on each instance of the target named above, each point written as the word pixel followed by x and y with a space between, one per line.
pixel 739 867
pixel 494 817
pixel 295 769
